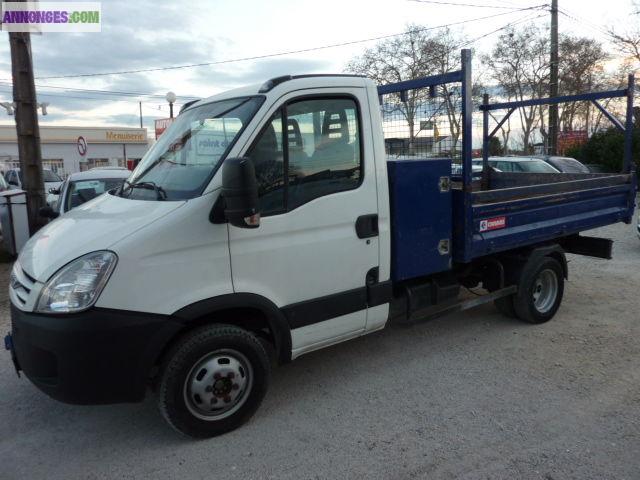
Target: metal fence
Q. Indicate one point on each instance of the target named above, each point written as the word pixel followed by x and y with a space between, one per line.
pixel 423 122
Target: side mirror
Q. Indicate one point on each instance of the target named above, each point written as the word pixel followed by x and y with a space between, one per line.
pixel 240 192
pixel 48 212
pixel 13 182
pixel 54 191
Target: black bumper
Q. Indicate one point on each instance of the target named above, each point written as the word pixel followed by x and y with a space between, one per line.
pixel 94 357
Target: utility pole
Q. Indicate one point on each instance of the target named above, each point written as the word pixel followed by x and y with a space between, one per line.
pixel 140 105
pixel 27 128
pixel 553 81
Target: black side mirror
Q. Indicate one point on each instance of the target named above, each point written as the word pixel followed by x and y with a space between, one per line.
pixel 240 192
pixel 54 191
pixel 48 212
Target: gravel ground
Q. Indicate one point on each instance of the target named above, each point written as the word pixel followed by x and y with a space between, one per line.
pixel 472 396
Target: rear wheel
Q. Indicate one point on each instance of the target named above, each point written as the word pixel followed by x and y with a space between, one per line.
pixel 540 291
pixel 213 380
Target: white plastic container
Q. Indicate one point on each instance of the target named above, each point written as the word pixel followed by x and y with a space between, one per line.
pixel 14 220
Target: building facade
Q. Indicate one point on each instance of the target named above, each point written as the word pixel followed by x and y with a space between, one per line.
pixel 62 147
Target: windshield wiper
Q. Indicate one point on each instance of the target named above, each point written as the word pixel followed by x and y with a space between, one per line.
pixel 161 194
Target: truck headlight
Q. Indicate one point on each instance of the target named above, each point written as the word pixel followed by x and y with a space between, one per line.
pixel 77 285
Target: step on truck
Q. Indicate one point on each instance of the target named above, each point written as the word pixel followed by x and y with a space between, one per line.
pixel 275 220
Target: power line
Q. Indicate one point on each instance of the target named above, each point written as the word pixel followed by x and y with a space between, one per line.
pixel 290 52
pixel 475 5
pixel 504 27
pixel 582 21
pixel 103 92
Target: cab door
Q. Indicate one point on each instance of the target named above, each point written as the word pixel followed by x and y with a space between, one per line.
pixel 317 241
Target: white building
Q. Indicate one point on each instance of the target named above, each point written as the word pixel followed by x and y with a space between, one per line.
pixel 105 146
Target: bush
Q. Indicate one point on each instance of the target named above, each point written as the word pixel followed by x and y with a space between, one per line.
pixel 606 148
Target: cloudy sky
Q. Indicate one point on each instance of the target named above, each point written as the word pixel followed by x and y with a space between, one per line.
pixel 147 34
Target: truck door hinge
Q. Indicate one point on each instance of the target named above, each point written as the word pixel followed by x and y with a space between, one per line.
pixel 445 184
pixel 444 246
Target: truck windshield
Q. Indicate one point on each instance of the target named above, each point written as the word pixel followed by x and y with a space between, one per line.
pixel 182 161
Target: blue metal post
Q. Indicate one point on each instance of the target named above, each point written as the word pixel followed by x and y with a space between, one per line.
pixel 628 165
pixel 485 143
pixel 467 139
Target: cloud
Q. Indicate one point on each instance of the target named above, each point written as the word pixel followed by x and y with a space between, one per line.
pixel 226 77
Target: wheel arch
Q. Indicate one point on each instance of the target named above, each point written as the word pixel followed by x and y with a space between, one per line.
pixel 245 310
pixel 554 251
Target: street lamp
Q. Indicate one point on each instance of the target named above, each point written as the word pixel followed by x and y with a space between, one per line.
pixel 171 97
pixel 8 106
pixel 43 106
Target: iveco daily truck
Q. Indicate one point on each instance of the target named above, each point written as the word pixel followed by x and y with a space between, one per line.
pixel 271 219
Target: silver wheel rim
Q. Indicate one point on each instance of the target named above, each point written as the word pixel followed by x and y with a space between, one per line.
pixel 545 291
pixel 218 385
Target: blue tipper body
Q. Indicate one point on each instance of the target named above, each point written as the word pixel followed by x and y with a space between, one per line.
pixel 420 217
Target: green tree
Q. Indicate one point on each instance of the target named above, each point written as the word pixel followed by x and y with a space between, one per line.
pixel 606 148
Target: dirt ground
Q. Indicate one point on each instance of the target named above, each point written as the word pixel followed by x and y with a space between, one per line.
pixel 471 396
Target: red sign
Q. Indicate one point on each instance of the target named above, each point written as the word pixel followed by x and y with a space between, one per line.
pixel 162 124
pixel 82 146
pixel 493 224
pixel 571 138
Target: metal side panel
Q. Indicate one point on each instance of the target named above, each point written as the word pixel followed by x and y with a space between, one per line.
pixel 421 216
pixel 517 223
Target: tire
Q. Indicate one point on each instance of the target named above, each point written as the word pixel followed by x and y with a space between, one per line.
pixel 213 380
pixel 540 290
pixel 505 306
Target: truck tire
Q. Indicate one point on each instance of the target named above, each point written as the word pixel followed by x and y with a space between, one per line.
pixel 540 290
pixel 213 380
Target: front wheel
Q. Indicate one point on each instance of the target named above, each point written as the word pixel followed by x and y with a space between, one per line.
pixel 213 380
pixel 540 291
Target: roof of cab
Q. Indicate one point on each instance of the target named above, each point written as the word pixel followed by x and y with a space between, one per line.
pixel 288 83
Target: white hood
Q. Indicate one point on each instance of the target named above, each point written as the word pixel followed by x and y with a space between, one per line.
pixel 95 225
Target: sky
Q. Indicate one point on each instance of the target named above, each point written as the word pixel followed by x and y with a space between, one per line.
pixel 147 34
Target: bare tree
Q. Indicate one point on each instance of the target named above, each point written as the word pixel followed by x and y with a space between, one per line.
pixel 628 41
pixel 519 63
pixel 581 70
pixel 419 52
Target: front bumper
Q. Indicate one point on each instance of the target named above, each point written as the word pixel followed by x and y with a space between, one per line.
pixel 94 357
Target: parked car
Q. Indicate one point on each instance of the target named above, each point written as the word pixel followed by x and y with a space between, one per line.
pixel 3 184
pixel 521 165
pixel 81 187
pixel 51 181
pixel 596 168
pixel 565 164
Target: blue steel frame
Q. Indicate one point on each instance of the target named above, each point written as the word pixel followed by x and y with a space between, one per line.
pixel 593 97
pixel 463 76
pixel 533 210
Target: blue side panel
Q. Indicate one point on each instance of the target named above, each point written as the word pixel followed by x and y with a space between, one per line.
pixel 534 220
pixel 420 217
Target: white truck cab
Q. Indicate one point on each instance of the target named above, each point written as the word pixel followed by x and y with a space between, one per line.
pixel 132 281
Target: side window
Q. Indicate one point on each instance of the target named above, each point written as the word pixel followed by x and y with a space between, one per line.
pixel 268 159
pixel 324 148
pixel 312 152
pixel 505 166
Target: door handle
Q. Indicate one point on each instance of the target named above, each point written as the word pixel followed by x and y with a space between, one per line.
pixel 367 226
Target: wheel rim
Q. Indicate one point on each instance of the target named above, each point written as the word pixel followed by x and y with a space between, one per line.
pixel 545 291
pixel 218 385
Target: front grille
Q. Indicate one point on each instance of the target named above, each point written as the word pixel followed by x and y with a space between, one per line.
pixel 21 284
